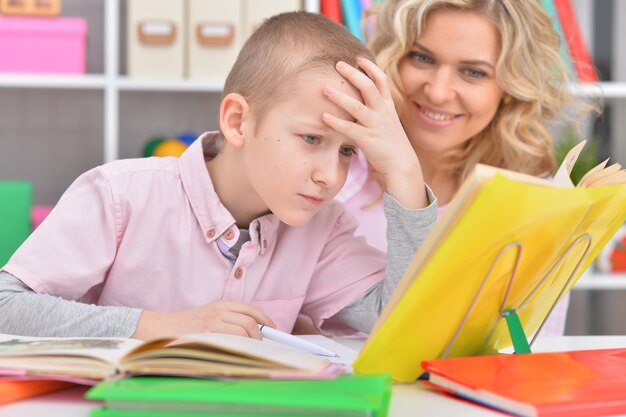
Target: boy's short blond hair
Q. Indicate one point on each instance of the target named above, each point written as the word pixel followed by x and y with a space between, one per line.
pixel 283 47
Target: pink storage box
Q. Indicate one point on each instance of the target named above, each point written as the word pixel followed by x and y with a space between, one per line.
pixel 38 214
pixel 42 44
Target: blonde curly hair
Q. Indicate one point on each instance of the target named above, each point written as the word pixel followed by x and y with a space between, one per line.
pixel 529 69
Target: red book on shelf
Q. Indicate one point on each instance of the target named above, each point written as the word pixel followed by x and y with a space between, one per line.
pixel 581 58
pixel 332 10
pixel 14 390
pixel 557 384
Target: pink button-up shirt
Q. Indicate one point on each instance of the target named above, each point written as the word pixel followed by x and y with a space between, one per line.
pixel 143 233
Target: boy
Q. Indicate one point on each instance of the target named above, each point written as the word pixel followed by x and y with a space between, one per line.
pixel 241 229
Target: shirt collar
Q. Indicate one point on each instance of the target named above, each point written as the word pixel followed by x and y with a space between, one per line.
pixel 213 217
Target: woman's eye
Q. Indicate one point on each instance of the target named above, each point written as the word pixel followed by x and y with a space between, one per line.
pixel 347 151
pixel 310 139
pixel 420 58
pixel 472 73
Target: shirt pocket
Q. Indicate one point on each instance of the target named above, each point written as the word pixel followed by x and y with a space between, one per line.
pixel 283 312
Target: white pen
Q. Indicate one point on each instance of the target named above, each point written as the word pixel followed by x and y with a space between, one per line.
pixel 294 341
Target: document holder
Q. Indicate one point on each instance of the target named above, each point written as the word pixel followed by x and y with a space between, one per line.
pixel 508 248
pixel 510 314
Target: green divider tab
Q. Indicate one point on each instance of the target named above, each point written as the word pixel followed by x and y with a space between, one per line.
pixel 518 337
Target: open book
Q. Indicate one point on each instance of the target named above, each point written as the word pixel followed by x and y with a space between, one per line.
pixel 87 360
pixel 509 242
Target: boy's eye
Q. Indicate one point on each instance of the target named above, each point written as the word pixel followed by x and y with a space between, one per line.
pixel 310 139
pixel 472 73
pixel 420 58
pixel 347 151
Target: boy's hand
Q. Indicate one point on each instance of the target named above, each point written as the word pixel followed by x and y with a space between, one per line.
pixel 378 131
pixel 218 317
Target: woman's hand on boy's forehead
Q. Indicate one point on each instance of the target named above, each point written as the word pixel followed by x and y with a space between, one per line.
pixel 377 130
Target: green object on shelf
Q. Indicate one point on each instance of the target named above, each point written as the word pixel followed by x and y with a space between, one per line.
pixel 15 205
pixel 151 145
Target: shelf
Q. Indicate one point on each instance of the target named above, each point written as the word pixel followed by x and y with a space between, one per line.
pixel 608 90
pixel 157 84
pixel 97 82
pixel 598 281
pixel 78 82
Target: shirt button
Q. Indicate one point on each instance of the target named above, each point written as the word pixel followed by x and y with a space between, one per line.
pixel 210 233
pixel 238 273
pixel 265 243
pixel 229 234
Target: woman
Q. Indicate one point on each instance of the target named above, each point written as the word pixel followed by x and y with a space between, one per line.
pixel 474 81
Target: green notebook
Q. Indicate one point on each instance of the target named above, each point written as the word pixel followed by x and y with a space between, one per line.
pixel 346 396
pixel 16 198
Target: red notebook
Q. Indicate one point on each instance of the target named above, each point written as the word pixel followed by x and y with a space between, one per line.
pixel 557 384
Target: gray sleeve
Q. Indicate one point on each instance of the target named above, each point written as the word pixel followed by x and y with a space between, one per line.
pixel 24 312
pixel 406 231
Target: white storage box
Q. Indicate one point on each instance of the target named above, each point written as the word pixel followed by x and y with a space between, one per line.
pixel 156 38
pixel 214 37
pixel 259 10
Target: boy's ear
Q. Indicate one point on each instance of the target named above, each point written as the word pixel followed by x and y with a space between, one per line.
pixel 234 110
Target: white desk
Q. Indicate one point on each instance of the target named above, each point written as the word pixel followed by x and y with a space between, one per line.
pixel 408 400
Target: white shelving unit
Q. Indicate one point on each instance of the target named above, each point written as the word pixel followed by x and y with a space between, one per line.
pixel 113 88
pixel 598 281
pixel 84 82
pixel 112 83
pixel 607 90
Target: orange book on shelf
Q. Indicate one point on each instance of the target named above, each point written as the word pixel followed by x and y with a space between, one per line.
pixel 556 384
pixel 581 58
pixel 14 390
pixel 332 10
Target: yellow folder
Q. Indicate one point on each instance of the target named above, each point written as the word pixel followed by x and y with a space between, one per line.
pixel 448 304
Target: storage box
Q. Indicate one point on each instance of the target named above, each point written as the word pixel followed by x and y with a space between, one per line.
pixel 42 44
pixel 214 37
pixel 31 7
pixel 156 38
pixel 257 11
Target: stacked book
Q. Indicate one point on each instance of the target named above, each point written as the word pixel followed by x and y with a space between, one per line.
pixel 215 374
